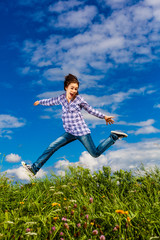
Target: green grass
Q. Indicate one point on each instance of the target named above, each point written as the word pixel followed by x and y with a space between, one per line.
pixel 82 204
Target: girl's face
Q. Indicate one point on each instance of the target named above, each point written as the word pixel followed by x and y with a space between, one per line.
pixel 71 91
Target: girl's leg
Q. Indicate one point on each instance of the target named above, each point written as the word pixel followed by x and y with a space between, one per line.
pixel 53 147
pixel 88 143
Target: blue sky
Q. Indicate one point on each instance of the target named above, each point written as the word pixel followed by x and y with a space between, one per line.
pixel 113 47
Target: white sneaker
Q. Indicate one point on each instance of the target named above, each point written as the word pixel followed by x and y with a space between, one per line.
pixel 28 169
pixel 119 134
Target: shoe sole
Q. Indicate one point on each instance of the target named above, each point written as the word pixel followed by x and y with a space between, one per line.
pixel 28 171
pixel 119 133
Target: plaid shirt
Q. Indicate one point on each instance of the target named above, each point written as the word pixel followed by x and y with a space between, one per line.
pixel 72 118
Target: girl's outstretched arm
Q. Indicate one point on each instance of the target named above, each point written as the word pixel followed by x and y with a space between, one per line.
pixel 109 120
pixel 49 102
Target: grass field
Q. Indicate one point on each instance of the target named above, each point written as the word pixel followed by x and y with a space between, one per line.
pixel 81 205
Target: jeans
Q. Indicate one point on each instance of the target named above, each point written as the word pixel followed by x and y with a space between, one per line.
pixel 66 138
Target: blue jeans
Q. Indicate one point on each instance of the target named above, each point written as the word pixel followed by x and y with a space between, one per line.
pixel 66 138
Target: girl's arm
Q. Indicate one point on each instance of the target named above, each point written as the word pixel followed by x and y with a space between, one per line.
pixel 96 113
pixel 48 102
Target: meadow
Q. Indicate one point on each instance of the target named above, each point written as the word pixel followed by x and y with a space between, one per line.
pixel 81 205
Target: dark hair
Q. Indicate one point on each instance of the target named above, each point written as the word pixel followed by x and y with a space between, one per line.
pixel 70 79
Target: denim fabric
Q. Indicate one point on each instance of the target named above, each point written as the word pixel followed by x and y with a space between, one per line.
pixel 66 138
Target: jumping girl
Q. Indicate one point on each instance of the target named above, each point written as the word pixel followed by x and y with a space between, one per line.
pixel 74 125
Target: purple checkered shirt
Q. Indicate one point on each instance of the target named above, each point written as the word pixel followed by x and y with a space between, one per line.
pixel 72 118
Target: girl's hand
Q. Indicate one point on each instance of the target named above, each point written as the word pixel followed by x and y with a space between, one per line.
pixel 109 120
pixel 36 103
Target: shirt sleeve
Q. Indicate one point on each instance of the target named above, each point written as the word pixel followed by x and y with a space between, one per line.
pixel 50 101
pixel 91 110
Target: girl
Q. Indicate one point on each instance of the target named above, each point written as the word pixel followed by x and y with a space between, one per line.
pixel 74 124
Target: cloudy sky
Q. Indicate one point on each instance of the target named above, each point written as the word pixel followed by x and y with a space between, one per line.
pixel 113 47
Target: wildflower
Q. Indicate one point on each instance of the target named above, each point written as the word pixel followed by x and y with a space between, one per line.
pixel 126 212
pixel 87 216
pixel 91 200
pixel 55 218
pixel 50 232
pixel 61 234
pixel 85 225
pixel 92 223
pixel 75 205
pixel 58 193
pixel 51 189
pixel 53 228
pixel 64 219
pixel 30 223
pixel 72 200
pixel 66 226
pixel 9 222
pixel 61 238
pixel 31 233
pixel 55 204
pixel 72 212
pixel 102 237
pixel 78 225
pixel 64 186
pixel 28 230
pixel 116 228
pixel 65 199
pixel 95 232
pixel 103 196
pixel 33 183
pixel 128 219
pixel 119 211
pixel 21 203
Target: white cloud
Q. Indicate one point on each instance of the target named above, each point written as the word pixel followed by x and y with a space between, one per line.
pixel 147 130
pixel 45 117
pixel 115 3
pixel 146 123
pixel 130 35
pixel 6 133
pixel 8 121
pixel 153 3
pixel 12 158
pixel 143 13
pixel 75 19
pixel 50 94
pixel 145 127
pixel 126 156
pixel 63 6
pixel 21 174
pixel 157 106
pixel 157 14
pixel 114 99
pixel 54 74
